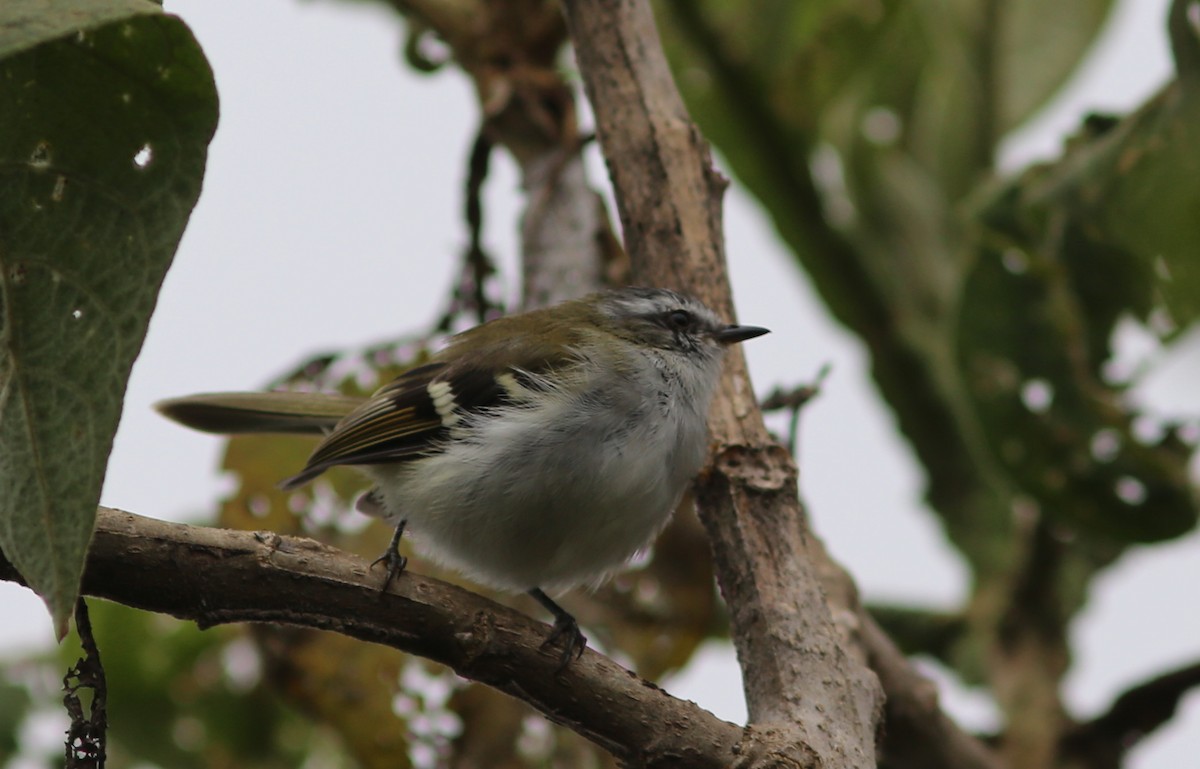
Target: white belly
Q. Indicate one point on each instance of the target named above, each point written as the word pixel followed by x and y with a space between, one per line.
pixel 559 507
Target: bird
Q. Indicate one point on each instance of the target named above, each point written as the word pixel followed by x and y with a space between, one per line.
pixel 536 452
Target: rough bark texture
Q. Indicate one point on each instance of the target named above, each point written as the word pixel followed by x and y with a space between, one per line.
pixel 219 576
pixel 800 684
pixel 565 236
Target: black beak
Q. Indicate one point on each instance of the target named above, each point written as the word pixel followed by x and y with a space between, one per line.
pixel 732 334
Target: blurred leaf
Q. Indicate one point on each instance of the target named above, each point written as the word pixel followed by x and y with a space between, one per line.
pixel 1038 46
pixel 108 110
pixel 15 703
pixel 862 127
pixel 1123 199
pixel 348 685
pixel 180 697
pixel 944 80
pixel 910 110
pixel 1142 195
pixel 1058 428
pixel 1108 231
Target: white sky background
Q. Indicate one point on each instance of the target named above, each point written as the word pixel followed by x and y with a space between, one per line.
pixel 331 218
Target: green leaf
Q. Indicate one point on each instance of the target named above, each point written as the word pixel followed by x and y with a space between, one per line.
pixel 102 153
pixel 1110 230
pixel 15 704
pixel 29 23
pixel 863 128
pixel 1039 45
pixel 1147 198
pixel 939 81
pixel 1060 431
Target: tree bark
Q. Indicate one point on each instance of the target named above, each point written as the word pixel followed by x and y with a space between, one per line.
pixel 220 576
pixel 799 682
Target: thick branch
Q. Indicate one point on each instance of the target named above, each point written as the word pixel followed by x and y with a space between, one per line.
pixel 217 576
pixel 918 734
pixel 669 198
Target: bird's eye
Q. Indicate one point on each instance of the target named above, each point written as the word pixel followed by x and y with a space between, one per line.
pixel 679 320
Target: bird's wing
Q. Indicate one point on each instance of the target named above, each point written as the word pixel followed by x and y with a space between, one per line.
pixel 406 417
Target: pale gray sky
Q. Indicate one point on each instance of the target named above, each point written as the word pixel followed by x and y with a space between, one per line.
pixel 330 218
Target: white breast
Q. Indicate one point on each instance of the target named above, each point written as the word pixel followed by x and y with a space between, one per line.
pixel 562 492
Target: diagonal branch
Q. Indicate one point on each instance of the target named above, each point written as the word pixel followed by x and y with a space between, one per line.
pixel 1103 742
pixel 918 734
pixel 220 576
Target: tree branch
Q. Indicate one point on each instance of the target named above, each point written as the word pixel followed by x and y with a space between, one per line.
pixel 1103 742
pixel 797 676
pixel 918 734
pixel 220 576
pixel 801 667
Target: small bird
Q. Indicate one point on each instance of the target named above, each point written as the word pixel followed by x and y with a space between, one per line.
pixel 536 452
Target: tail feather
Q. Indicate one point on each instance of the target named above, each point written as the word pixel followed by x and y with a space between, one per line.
pixel 271 412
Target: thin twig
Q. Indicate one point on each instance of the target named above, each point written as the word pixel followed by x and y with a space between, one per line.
pixel 470 294
pixel 87 735
pixel 794 400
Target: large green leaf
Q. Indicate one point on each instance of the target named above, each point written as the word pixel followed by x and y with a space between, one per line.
pixel 108 110
pixel 1038 46
pixel 1062 433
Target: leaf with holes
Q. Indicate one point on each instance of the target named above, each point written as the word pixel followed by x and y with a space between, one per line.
pixel 108 110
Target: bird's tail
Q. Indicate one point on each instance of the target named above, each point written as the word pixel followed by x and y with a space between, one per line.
pixel 270 412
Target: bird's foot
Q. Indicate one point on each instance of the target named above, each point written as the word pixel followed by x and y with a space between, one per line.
pixel 391 558
pixel 565 629
pixel 574 641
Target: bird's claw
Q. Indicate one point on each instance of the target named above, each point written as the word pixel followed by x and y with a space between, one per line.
pixel 391 558
pixel 565 627
pixel 394 562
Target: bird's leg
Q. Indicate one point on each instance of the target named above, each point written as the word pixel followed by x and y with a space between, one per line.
pixel 565 627
pixel 371 504
pixel 391 558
